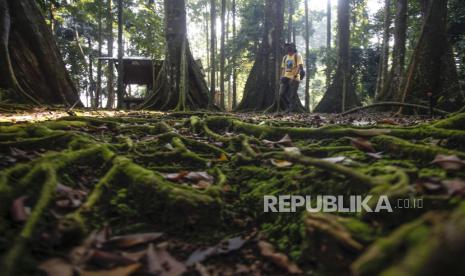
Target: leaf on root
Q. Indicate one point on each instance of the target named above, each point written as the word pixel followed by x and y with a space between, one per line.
pixel 281 260
pixel 281 163
pixel 132 240
pixel 57 267
pixel 362 144
pixel 455 187
pixel 335 159
pixel 68 197
pixel 223 157
pixel 18 211
pixel 292 150
pixel 285 141
pixel 448 162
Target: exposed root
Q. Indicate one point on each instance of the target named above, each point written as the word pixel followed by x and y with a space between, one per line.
pixel 138 166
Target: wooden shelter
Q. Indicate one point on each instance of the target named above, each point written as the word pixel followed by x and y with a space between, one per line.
pixel 139 71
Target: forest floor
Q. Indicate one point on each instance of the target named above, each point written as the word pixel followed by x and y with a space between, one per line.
pixel 151 193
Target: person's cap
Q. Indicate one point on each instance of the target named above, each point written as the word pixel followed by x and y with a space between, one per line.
pixel 289 44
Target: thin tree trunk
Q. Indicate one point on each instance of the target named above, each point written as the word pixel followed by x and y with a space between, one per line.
pixel 222 54
pixel 207 36
pixel 98 92
pixel 393 84
pixel 110 76
pixel 328 43
pixel 228 60
pixel 212 50
pixel 384 56
pixel 343 16
pixel 234 73
pixel 91 72
pixel 290 27
pixel 307 55
pixel 120 90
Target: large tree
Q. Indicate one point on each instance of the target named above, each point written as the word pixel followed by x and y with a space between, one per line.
pixel 432 71
pixel 262 86
pixel 180 84
pixel 31 67
pixel 341 93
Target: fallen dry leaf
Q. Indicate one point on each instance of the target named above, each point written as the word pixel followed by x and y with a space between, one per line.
pixel 18 210
pixel 108 259
pixel 335 159
pixel 281 260
pixel 281 163
pixel 362 144
pixel 292 150
pixel 56 267
pixel 176 177
pixel 223 157
pixel 119 271
pixel 375 155
pixel 285 141
pixel 455 187
pixel 222 248
pixel 448 162
pixel 160 262
pixel 132 240
pixel 387 122
pixel 201 185
pixel 197 176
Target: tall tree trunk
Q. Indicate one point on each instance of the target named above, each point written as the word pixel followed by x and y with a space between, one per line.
pixel 212 50
pixel 424 7
pixel 120 89
pixel 341 93
pixel 180 84
pixel 228 60
pixel 432 71
pixel 98 91
pixel 31 67
pixel 207 42
pixel 222 54
pixel 290 27
pixel 110 76
pixel 262 86
pixel 384 55
pixel 307 56
pixel 91 73
pixel 328 43
pixel 393 85
pixel 234 73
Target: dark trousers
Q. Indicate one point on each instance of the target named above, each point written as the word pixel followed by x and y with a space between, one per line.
pixel 287 93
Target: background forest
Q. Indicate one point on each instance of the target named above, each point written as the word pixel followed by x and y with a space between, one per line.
pixel 87 29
